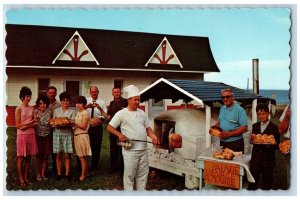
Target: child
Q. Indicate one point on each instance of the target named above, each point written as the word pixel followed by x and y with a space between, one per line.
pixel 43 136
pixel 62 137
pixel 263 155
pixel 26 143
pixel 81 137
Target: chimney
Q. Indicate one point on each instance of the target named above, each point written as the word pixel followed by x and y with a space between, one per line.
pixel 255 88
pixel 255 63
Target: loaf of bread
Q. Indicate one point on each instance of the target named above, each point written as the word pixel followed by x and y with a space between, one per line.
pixel 262 139
pixel 285 146
pixel 219 154
pixel 59 121
pixel 175 140
pixel 224 154
pixel 94 121
pixel 215 131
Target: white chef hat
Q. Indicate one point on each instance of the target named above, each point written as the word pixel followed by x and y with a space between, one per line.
pixel 132 91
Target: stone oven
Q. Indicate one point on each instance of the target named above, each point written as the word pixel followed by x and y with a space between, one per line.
pixel 190 125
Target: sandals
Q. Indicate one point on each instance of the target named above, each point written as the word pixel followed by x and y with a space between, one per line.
pixel 23 184
pixel 27 182
pixel 39 178
pixel 82 179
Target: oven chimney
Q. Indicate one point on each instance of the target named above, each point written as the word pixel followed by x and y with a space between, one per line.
pixel 255 70
pixel 255 88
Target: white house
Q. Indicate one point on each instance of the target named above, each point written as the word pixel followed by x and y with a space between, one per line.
pixel 72 59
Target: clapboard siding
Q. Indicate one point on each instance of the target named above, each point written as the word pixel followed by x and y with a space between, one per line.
pixel 105 85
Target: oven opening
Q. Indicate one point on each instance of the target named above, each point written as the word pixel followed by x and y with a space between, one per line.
pixel 162 129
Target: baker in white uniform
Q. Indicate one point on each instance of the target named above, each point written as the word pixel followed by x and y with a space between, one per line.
pixel 135 126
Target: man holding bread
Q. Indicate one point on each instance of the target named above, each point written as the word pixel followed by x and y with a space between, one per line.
pixel 233 122
pixel 96 108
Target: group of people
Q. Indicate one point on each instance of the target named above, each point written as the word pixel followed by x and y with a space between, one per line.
pixel 125 122
pixel 233 122
pixel 36 137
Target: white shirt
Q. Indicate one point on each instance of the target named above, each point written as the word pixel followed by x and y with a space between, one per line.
pixel 287 134
pixel 97 112
pixel 263 126
pixel 133 126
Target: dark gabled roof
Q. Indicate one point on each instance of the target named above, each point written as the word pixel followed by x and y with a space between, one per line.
pixel 29 45
pixel 200 91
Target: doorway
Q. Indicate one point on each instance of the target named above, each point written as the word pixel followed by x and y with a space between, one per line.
pixel 73 88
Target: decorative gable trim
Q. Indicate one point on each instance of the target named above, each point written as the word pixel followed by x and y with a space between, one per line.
pixel 164 54
pixel 75 51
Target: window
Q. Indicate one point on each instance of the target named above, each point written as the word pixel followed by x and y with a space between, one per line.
pixel 43 84
pixel 118 84
pixel 159 103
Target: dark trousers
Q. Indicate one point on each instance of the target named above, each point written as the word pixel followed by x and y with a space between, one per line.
pixel 54 167
pixel 237 145
pixel 267 177
pixel 116 158
pixel 288 166
pixel 95 134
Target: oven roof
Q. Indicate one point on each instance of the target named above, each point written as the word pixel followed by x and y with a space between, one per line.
pixel 198 90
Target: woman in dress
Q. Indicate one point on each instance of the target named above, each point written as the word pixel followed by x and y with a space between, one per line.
pixel 43 136
pixel 62 136
pixel 26 142
pixel 81 137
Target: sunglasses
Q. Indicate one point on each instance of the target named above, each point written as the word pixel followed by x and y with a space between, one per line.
pixel 226 97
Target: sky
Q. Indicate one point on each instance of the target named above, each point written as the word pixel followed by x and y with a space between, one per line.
pixel 236 35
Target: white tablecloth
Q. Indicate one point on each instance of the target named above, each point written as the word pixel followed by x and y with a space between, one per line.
pixel 243 160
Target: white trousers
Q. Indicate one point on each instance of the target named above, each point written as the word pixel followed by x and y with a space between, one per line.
pixel 136 168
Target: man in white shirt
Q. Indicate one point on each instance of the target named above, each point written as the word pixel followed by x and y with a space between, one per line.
pixel 135 126
pixel 96 108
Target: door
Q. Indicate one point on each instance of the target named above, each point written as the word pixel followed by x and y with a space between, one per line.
pixel 72 87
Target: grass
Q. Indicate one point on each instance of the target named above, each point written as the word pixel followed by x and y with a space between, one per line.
pixel 103 180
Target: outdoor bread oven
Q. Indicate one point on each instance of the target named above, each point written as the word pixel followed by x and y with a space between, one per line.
pixel 191 124
pixel 167 137
pixel 177 152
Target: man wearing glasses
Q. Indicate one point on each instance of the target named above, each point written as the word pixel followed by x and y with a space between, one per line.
pixel 233 122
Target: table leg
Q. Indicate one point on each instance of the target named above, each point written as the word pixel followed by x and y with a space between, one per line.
pixel 201 179
pixel 241 176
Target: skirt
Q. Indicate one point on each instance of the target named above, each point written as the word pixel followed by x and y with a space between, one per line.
pixel 62 142
pixel 44 144
pixel 26 145
pixel 82 145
